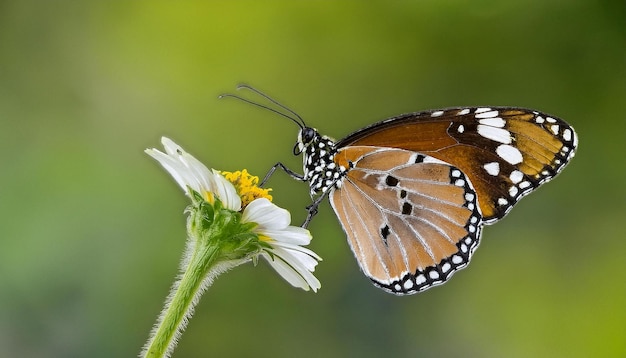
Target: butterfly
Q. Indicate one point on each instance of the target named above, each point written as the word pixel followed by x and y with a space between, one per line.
pixel 413 192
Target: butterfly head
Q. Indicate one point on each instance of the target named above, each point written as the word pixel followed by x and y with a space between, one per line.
pixel 306 136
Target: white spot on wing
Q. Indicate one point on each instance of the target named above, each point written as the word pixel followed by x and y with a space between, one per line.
pixel 555 129
pixel 497 134
pixel 567 134
pixel 408 284
pixel 516 176
pixel 461 128
pixel 494 122
pixel 488 114
pixel 436 114
pixel 509 153
pixel 420 279
pixel 492 168
pixel 483 109
pixel 463 112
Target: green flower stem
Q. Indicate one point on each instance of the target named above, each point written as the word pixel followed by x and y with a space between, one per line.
pixel 178 310
pixel 218 241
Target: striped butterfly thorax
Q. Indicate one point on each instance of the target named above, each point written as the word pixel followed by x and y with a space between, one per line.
pixel 412 192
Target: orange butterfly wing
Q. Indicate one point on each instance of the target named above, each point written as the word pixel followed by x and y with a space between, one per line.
pixel 411 220
pixel 505 152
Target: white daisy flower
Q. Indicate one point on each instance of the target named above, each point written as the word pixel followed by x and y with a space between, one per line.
pixel 284 243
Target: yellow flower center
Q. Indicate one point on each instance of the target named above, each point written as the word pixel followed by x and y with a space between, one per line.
pixel 247 186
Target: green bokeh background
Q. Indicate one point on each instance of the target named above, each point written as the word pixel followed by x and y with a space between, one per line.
pixel 92 229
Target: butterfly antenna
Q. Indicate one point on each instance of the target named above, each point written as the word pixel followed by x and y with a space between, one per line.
pixel 248 87
pixel 226 95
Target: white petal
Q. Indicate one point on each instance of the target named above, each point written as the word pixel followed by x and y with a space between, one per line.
pixel 291 234
pixel 266 214
pixel 170 147
pixel 286 272
pixel 301 261
pixel 174 167
pixel 226 192
pixel 291 247
pixel 198 173
pixel 298 278
pixel 303 264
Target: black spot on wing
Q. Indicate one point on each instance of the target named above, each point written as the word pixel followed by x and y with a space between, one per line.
pixel 391 181
pixel 384 233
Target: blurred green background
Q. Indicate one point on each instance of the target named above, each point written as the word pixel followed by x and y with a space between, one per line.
pixel 92 229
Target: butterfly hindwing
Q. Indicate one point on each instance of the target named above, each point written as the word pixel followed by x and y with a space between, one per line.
pixel 412 220
pixel 505 152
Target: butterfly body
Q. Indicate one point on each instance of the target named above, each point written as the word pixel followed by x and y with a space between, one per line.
pixel 412 192
pixel 321 170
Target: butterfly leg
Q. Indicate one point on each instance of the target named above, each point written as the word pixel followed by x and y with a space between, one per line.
pixel 312 209
pixel 280 165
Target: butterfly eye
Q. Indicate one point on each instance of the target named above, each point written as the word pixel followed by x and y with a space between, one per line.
pixel 304 138
pixel 307 135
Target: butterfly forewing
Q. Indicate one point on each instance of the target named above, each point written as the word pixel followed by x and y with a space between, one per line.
pixel 412 220
pixel 504 152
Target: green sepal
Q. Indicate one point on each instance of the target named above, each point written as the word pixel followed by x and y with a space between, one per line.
pixel 222 229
